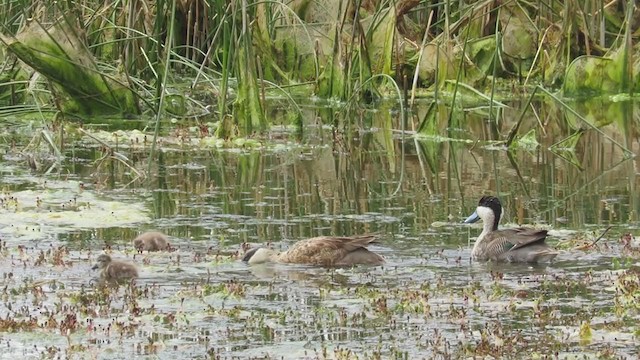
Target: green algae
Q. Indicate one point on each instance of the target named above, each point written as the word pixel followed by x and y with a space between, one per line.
pixel 62 205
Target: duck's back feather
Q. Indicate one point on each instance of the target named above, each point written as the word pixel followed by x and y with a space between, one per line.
pixel 332 251
pixel 117 270
pixel 513 239
pixel 516 245
pixel 151 241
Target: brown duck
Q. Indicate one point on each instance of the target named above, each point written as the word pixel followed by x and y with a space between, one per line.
pixel 510 245
pixel 321 251
pixel 114 270
pixel 151 241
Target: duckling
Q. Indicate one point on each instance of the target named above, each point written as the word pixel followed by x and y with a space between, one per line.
pixel 511 245
pixel 151 241
pixel 114 270
pixel 321 251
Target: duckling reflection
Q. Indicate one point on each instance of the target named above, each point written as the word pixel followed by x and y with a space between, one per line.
pixel 510 245
pixel 321 251
pixel 114 270
pixel 151 241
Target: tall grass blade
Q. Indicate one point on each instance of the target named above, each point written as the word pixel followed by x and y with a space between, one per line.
pixel 162 82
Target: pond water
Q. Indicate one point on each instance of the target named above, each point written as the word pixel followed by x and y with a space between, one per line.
pixel 428 301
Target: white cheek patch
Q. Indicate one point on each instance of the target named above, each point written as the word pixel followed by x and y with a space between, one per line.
pixel 260 256
pixel 485 213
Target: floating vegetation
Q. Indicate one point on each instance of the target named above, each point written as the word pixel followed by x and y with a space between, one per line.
pixel 61 204
pixel 628 292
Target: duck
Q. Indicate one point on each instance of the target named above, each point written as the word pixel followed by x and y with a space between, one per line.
pixel 321 251
pixel 151 241
pixel 114 270
pixel 519 244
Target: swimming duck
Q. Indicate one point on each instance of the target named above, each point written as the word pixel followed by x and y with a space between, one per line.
pixel 321 251
pixel 113 270
pixel 151 241
pixel 512 245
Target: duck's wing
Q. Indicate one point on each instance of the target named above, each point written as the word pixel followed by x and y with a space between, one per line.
pixel 325 250
pixel 512 239
pixel 360 256
pixel 525 237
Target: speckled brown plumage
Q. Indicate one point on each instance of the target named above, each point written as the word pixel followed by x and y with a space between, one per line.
pixel 151 241
pixel 324 251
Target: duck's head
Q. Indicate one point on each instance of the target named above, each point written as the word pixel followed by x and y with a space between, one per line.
pixel 258 255
pixel 138 243
pixel 102 262
pixel 489 210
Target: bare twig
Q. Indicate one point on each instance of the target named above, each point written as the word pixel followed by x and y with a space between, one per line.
pixel 601 235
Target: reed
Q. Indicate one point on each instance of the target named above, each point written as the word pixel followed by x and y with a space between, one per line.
pixel 228 57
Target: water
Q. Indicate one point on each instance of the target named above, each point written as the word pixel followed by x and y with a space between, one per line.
pixel 428 301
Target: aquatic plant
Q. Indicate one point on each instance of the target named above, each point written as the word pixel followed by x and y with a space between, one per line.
pixel 234 54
